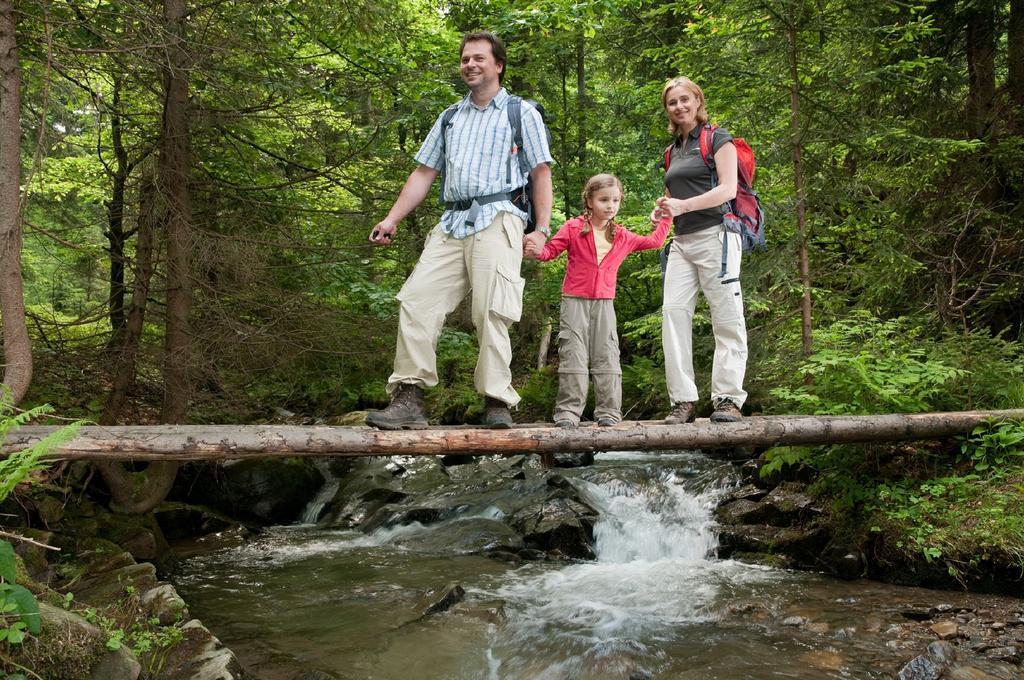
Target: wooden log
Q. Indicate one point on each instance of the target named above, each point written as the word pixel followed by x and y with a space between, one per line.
pixel 209 442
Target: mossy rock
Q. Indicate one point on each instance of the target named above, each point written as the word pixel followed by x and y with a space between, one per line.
pixel 70 648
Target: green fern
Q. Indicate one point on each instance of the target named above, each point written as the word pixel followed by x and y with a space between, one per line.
pixel 17 466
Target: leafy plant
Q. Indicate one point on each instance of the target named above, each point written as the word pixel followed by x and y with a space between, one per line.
pixel 993 444
pixel 19 611
pixel 17 466
pixel 868 365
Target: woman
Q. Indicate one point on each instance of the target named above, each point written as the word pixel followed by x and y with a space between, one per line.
pixel 703 255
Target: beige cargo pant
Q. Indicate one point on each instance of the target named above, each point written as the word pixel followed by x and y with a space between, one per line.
pixel 486 263
pixel 694 263
pixel 588 344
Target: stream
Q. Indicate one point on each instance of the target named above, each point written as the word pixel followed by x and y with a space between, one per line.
pixel 655 603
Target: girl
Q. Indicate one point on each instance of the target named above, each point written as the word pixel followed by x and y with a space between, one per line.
pixel 587 337
pixel 699 200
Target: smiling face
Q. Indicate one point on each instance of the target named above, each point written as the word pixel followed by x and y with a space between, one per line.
pixel 604 204
pixel 478 67
pixel 682 105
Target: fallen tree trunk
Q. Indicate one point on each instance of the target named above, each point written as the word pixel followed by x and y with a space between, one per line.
pixel 209 442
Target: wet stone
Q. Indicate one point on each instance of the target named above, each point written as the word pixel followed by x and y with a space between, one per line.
pixel 941 652
pixel 946 630
pixel 968 673
pixel 819 627
pixel 794 621
pixel 452 595
pixel 533 555
pixel 824 660
pixel 1008 654
pixel 920 668
pixel 748 492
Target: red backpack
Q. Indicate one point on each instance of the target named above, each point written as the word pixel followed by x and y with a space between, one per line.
pixel 745 216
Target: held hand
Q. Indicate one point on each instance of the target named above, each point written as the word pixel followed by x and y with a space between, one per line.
pixel 533 243
pixel 382 233
pixel 673 206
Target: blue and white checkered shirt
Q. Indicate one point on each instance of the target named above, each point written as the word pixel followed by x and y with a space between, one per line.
pixel 480 159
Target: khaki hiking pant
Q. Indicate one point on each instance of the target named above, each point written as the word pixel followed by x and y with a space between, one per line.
pixel 695 263
pixel 588 345
pixel 486 263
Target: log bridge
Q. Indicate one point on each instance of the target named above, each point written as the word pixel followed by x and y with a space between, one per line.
pixel 213 442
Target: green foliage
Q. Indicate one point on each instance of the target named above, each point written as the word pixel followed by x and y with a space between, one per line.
pixel 961 519
pixel 643 387
pixel 17 466
pixel 993 445
pixel 140 637
pixel 867 365
pixel 538 395
pixel 780 457
pixel 19 611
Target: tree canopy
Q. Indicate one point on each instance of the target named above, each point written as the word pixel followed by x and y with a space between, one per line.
pixel 204 176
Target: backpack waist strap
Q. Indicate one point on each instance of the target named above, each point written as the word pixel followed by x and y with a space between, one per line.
pixel 473 204
pixel 467 203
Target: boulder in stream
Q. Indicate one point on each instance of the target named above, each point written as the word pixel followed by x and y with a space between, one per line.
pixel 263 490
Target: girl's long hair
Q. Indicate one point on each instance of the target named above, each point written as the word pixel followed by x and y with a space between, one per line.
pixel 694 88
pixel 595 184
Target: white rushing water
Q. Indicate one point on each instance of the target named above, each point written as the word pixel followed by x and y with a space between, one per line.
pixel 327 490
pixel 654 572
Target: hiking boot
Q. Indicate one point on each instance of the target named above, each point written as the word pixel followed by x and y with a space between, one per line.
pixel 606 422
pixel 565 424
pixel 726 411
pixel 496 415
pixel 682 412
pixel 404 413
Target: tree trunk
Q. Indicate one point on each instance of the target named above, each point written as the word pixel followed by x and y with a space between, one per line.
pixel 581 103
pixel 1015 54
pixel 115 233
pixel 17 373
pixel 128 348
pixel 545 344
pixel 137 492
pixel 219 442
pixel 981 69
pixel 798 181
pixel 563 143
pixel 174 185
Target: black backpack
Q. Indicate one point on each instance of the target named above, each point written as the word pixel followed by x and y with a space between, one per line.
pixel 522 197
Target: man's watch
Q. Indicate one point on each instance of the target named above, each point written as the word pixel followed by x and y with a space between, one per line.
pixel 544 230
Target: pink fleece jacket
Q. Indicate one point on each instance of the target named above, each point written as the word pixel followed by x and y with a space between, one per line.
pixel 584 277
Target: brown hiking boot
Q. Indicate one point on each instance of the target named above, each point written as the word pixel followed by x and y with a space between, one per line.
pixel 404 413
pixel 496 415
pixel 726 411
pixel 682 412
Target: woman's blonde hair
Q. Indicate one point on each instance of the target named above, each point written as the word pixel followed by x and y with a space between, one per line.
pixel 595 184
pixel 702 109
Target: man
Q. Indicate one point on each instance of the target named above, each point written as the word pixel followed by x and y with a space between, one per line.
pixel 478 244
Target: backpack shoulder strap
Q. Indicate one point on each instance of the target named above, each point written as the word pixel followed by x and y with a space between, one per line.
pixel 514 109
pixel 668 156
pixel 446 122
pixel 707 144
